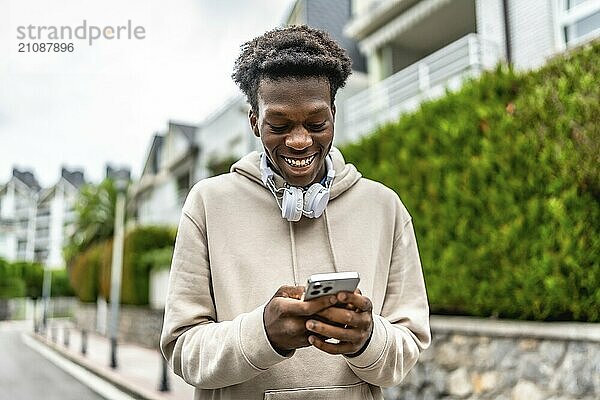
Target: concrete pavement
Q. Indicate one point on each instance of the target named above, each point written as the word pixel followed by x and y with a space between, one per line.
pixel 25 374
pixel 139 370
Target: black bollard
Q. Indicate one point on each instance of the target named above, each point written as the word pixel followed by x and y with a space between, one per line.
pixel 164 381
pixel 83 342
pixel 113 353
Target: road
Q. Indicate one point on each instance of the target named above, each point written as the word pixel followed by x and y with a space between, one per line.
pixel 27 375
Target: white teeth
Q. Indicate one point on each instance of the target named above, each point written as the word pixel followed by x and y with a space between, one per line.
pixel 299 162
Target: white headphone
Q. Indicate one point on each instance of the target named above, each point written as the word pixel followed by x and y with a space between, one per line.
pixel 295 202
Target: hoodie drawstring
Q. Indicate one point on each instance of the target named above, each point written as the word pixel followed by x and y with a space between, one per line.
pixel 328 229
pixel 294 256
pixel 294 261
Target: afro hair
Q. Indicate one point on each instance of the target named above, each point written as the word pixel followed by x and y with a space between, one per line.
pixel 294 51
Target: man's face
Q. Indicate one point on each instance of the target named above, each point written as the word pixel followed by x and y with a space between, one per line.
pixel 295 124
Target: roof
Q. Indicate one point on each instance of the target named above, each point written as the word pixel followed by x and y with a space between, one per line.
pixel 74 177
pixel 189 131
pixel 27 178
pixel 114 173
pixel 45 194
pixel 152 160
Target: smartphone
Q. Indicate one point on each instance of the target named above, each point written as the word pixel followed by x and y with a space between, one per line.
pixel 323 284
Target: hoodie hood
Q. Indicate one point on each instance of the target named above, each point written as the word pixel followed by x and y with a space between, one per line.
pixel 346 175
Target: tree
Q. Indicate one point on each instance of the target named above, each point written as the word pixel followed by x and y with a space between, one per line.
pixel 95 216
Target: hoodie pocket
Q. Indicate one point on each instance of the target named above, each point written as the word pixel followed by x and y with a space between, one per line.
pixel 356 391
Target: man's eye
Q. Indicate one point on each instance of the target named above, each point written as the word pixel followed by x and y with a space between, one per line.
pixel 317 127
pixel 276 128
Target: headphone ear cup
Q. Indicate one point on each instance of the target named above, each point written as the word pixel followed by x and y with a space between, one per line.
pixel 316 199
pixel 291 204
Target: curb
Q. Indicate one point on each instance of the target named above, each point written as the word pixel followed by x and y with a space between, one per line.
pixel 111 377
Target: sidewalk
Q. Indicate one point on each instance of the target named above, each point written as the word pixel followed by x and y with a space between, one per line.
pixel 139 370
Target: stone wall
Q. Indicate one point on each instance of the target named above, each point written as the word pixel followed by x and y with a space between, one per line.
pixel 141 325
pixel 469 358
pixel 24 307
pixel 485 359
pixel 137 324
pixel 85 316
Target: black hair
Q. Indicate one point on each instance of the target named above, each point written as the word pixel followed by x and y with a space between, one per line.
pixel 294 51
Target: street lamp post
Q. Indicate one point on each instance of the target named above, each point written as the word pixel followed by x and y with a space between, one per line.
pixel 121 179
pixel 46 287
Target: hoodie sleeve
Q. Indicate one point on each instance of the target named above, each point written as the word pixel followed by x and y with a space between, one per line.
pixel 205 353
pixel 402 331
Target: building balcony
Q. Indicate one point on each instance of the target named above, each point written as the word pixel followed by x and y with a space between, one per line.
pixel 426 79
pixel 42 241
pixel 43 220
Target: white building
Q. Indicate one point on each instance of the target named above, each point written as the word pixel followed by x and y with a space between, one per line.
pixel 417 48
pixel 55 218
pixel 225 136
pixel 168 174
pixel 18 204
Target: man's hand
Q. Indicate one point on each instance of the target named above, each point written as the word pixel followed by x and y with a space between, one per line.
pixel 356 317
pixel 285 317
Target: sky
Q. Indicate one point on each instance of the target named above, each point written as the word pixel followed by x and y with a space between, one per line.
pixel 103 102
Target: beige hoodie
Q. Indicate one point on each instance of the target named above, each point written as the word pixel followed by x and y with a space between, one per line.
pixel 234 250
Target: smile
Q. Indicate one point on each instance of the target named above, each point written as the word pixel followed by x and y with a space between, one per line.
pixel 300 162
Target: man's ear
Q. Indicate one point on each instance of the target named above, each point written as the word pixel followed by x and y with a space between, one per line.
pixel 253 118
pixel 333 111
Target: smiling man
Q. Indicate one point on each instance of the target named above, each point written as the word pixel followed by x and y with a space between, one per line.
pixel 236 326
pixel 296 126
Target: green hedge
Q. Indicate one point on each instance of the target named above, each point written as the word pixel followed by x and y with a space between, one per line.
pixel 11 283
pixel 61 286
pixel 25 279
pixel 90 270
pixel 136 273
pixel 503 184
pixel 32 275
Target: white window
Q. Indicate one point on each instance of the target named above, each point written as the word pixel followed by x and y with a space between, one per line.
pixel 577 21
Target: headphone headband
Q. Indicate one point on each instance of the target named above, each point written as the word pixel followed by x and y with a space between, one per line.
pixel 296 202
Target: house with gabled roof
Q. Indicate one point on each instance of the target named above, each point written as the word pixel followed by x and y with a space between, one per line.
pixel 167 175
pixel 224 137
pixel 55 217
pixel 18 205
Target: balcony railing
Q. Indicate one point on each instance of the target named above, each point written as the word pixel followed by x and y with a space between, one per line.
pixel 425 79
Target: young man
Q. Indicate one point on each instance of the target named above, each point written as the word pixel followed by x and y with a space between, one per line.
pixel 235 324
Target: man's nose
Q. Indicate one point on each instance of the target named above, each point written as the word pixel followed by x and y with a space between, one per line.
pixel 299 139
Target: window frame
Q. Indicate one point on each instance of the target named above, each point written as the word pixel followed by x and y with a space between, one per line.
pixel 566 18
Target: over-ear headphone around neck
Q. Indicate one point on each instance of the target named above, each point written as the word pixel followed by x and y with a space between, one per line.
pixel 295 202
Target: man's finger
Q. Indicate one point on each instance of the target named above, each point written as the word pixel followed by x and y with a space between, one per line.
pixel 313 306
pixel 341 316
pixel 341 348
pixel 323 329
pixel 361 302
